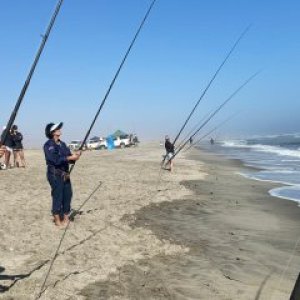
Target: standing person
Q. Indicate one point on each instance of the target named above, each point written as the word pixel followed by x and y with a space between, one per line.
pixel 58 157
pixel 169 152
pixel 2 152
pixel 19 157
pixel 9 144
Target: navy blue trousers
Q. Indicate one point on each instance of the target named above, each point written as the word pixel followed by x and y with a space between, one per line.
pixel 61 192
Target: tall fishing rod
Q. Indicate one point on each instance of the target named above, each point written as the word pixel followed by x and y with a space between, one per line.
pixel 187 136
pixel 211 131
pixel 31 72
pixel 215 112
pixel 210 83
pixel 114 80
pixel 75 212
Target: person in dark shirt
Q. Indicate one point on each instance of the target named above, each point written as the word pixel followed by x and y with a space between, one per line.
pixel 58 157
pixel 169 152
pixel 9 144
pixel 18 149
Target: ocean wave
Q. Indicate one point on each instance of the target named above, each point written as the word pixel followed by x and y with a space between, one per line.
pixel 253 177
pixel 287 192
pixel 281 151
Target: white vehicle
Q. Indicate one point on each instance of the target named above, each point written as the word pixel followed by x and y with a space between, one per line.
pixel 102 145
pixel 93 144
pixel 74 145
pixel 122 141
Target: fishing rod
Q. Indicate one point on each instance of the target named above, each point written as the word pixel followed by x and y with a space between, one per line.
pixel 75 212
pixel 31 72
pixel 208 86
pixel 114 80
pixel 214 113
pixel 210 82
pixel 187 136
pixel 211 131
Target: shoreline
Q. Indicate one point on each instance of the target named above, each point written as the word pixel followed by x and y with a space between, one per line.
pixel 282 185
pixel 235 267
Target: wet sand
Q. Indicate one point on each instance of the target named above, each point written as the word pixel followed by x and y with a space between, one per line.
pixel 202 232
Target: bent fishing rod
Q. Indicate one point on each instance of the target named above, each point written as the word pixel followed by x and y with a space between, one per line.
pixel 210 82
pixel 31 72
pixel 210 132
pixel 214 113
pixel 114 80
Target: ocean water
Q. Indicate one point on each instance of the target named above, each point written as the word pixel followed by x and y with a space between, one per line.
pixel 277 159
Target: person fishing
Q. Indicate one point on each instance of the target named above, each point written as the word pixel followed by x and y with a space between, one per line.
pixel 58 158
pixel 169 152
pixel 8 144
pixel 19 157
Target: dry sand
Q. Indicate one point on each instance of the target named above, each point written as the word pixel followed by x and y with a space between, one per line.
pixel 202 232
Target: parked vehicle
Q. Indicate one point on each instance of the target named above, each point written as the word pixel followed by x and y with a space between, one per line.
pixel 134 141
pixel 74 145
pixel 102 145
pixel 122 141
pixel 93 143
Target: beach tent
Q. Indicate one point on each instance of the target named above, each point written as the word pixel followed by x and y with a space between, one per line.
pixel 95 138
pixel 119 133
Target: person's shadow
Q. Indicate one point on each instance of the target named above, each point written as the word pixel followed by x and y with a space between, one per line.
pixel 4 288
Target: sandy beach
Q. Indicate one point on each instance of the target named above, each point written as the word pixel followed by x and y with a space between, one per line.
pixel 201 232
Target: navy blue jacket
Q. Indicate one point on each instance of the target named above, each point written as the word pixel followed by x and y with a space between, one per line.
pixel 9 140
pixel 56 155
pixel 17 138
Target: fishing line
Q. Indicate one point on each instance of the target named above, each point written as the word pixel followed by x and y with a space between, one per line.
pixel 31 72
pixel 42 289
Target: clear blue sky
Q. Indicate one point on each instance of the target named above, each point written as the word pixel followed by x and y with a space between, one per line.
pixel 180 47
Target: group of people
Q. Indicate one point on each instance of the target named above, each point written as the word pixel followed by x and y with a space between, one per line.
pixel 12 148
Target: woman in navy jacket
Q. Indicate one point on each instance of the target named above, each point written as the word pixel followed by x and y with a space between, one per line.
pixel 58 157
